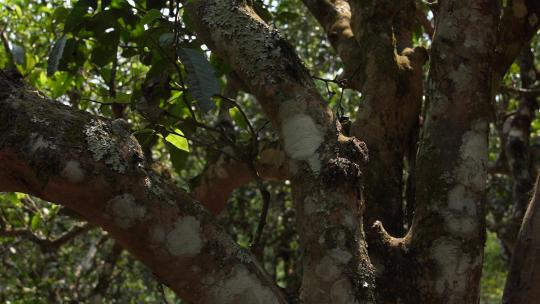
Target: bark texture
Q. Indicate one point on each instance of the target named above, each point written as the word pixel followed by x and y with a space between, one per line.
pixel 373 39
pixel 324 166
pixel 448 231
pixel 524 276
pixel 95 167
pixel 516 132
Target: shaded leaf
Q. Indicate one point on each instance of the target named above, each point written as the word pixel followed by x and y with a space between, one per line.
pixel 150 16
pixel 178 157
pixel 166 39
pixel 201 78
pixel 18 53
pixel 55 55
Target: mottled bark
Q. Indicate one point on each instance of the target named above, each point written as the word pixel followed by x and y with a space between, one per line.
pixel 96 168
pixel 388 116
pixel 524 276
pixel 516 132
pixel 447 236
pixel 389 75
pixel 324 165
pixel 335 18
pixel 519 22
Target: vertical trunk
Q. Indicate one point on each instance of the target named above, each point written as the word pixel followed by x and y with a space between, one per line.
pixel 448 231
pixel 524 276
pixel 324 165
pixel 517 132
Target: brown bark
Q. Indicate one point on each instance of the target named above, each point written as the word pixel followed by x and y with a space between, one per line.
pixel 388 117
pixel 447 236
pixel 516 132
pixel 524 276
pixel 389 113
pixel 96 168
pixel 220 178
pixel 324 165
pixel 519 22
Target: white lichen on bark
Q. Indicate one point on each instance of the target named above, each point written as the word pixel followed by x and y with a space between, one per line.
pixel 73 172
pixel 37 142
pixel 185 239
pixel 102 146
pixel 124 210
pixel 240 286
pixel 302 138
pixel 452 262
pixel 332 265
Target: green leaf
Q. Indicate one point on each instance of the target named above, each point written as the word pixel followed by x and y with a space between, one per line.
pixel 201 78
pixel 36 221
pixel 238 118
pixel 166 39
pixel 178 157
pixel 150 16
pixel 104 52
pixel 55 55
pixel 177 140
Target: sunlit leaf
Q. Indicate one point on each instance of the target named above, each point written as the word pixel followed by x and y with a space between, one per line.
pixel 177 140
pixel 238 118
pixel 36 221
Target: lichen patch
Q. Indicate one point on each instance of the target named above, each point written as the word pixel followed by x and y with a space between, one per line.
pixel 301 137
pixel 331 266
pixel 125 211
pixel 452 263
pixel 185 239
pixel 37 142
pixel 73 172
pixel 473 152
pixel 118 150
pixel 240 286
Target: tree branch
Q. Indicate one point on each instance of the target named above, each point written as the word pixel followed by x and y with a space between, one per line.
pixel 96 167
pixel 325 165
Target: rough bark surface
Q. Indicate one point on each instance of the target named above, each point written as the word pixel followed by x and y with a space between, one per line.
pixel 448 231
pixel 324 165
pixel 95 167
pixel 524 276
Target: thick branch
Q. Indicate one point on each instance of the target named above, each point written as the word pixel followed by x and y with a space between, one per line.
pixel 96 168
pixel 324 165
pixel 335 18
pixel 448 225
pixel 520 21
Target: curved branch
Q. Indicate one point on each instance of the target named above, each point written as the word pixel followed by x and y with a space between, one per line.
pixel 95 167
pixel 519 23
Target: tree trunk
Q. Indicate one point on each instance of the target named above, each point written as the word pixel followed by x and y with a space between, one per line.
pixel 324 165
pixel 524 276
